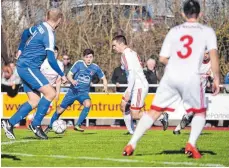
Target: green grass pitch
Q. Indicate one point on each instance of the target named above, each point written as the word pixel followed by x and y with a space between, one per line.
pixel 104 148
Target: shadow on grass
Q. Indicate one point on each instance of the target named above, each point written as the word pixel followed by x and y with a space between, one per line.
pixel 181 151
pixel 56 137
pixel 88 133
pixel 204 133
pixel 5 156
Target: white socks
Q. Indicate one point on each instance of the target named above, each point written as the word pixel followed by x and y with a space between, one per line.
pixel 129 123
pixel 197 126
pixel 143 125
pixel 178 128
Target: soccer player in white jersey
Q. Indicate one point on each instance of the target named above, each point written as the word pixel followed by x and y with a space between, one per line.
pixel 205 74
pixel 182 53
pixel 53 78
pixel 134 96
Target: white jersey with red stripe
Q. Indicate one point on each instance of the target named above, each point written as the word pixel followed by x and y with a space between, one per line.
pixel 185 46
pixel 49 73
pixel 134 70
pixel 137 84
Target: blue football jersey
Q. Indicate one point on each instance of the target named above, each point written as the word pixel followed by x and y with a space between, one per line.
pixel 34 53
pixel 83 73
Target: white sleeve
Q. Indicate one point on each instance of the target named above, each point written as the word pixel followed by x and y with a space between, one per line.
pixel 211 40
pixel 129 66
pixel 166 47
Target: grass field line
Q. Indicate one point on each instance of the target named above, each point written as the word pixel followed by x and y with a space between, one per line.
pixel 117 160
pixel 13 141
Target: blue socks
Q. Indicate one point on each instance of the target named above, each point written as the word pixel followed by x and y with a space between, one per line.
pixel 83 115
pixel 42 109
pixel 54 118
pixel 21 113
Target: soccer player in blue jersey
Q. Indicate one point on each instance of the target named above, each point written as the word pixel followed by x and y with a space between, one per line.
pixel 80 76
pixel 37 43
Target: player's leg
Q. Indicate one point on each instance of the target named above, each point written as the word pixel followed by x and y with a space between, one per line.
pixel 125 108
pixel 195 102
pixel 23 111
pixel 68 100
pixel 86 101
pixel 163 101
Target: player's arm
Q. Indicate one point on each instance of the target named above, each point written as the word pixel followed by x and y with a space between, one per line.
pixel 102 76
pixel 212 48
pixel 74 69
pixel 24 37
pixel 49 41
pixel 166 49
pixel 58 84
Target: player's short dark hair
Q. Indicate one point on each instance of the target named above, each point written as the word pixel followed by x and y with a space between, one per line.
pixel 87 52
pixel 191 8
pixel 56 48
pixel 120 39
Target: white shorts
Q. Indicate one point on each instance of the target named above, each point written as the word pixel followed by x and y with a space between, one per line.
pixel 171 91
pixel 137 98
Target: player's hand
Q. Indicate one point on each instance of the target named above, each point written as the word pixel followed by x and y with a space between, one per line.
pixel 18 54
pixel 64 79
pixel 57 98
pixel 127 96
pixel 215 87
pixel 74 82
pixel 105 89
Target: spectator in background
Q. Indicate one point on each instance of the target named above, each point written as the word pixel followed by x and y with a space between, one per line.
pixel 119 77
pixel 151 74
pixel 11 81
pixel 67 66
pixel 67 63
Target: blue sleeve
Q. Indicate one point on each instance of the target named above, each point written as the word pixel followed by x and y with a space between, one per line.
pixel 49 40
pixel 25 36
pixel 75 68
pixel 100 73
pixel 53 63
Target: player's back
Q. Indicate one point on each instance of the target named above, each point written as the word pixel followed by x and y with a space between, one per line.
pixel 131 61
pixel 187 44
pixel 34 53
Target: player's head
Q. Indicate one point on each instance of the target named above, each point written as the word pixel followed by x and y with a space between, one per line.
pixel 88 56
pixel 191 9
pixel 56 49
pixel 206 57
pixel 54 15
pixel 66 59
pixel 119 43
pixel 151 63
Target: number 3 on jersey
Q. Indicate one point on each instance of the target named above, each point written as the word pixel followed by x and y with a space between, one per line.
pixel 187 46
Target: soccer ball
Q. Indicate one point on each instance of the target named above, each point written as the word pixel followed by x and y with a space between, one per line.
pixel 59 126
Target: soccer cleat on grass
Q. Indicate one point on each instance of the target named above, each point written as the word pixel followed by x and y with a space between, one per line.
pixel 37 130
pixel 8 128
pixel 47 130
pixel 77 128
pixel 128 150
pixel 176 132
pixel 128 133
pixel 165 121
pixel 192 151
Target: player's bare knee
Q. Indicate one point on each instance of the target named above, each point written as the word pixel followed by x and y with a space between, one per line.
pixel 33 103
pixel 60 110
pixel 123 107
pixel 87 103
pixel 135 115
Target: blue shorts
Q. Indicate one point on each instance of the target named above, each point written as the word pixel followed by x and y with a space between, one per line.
pixel 71 96
pixel 32 79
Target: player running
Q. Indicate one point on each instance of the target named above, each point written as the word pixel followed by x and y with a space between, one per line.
pixel 134 96
pixel 37 43
pixel 182 53
pixel 205 74
pixel 54 79
pixel 80 76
